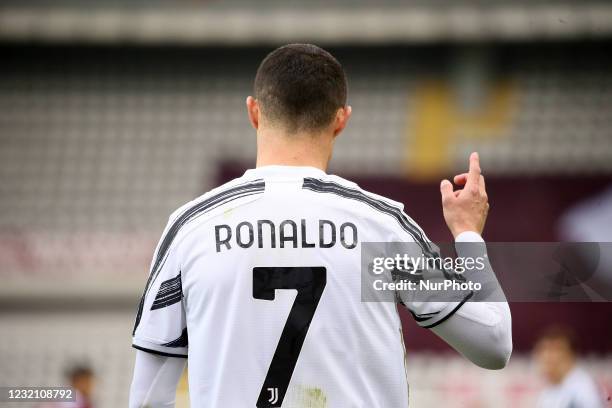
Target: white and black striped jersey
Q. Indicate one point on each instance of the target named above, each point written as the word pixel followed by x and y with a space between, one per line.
pixel 258 283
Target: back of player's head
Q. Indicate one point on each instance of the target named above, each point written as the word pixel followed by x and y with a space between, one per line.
pixel 82 379
pixel 300 87
pixel 75 372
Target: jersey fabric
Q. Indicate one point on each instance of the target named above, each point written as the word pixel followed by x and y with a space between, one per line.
pixel 258 283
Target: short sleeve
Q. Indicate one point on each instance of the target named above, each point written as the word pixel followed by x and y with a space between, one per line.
pixel 428 308
pixel 160 323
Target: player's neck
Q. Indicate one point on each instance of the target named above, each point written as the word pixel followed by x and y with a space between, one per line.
pixel 276 148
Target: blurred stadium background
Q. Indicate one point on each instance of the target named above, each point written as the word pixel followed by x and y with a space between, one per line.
pixel 113 113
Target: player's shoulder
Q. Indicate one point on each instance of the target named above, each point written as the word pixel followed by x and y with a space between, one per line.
pixel 580 379
pixel 219 196
pixel 212 203
pixel 347 189
pixel 374 205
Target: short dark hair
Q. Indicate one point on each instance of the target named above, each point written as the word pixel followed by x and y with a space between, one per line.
pixel 301 87
pixel 77 371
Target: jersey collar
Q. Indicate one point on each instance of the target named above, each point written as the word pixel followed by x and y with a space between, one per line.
pixel 283 171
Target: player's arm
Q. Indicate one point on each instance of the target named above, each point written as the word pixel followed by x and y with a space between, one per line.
pixel 481 331
pixel 160 332
pixel 155 380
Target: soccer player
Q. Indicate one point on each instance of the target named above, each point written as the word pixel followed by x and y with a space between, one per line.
pixel 569 385
pixel 257 282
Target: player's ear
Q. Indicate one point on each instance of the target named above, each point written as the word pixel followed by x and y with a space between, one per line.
pixel 342 116
pixel 253 111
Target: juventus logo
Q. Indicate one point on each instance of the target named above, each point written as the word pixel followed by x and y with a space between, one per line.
pixel 273 395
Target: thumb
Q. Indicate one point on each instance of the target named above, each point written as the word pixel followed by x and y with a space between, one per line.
pixel 446 188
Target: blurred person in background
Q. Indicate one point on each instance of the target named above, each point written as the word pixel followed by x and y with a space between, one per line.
pixel 569 385
pixel 82 380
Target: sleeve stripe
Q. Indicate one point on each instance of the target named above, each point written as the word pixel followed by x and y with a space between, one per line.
pixel 452 312
pixel 182 341
pixel 170 292
pixel 159 353
pixel 423 317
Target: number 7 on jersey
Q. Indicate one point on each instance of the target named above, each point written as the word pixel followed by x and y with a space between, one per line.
pixel 309 283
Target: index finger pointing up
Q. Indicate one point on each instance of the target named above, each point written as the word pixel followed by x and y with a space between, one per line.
pixel 474 171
